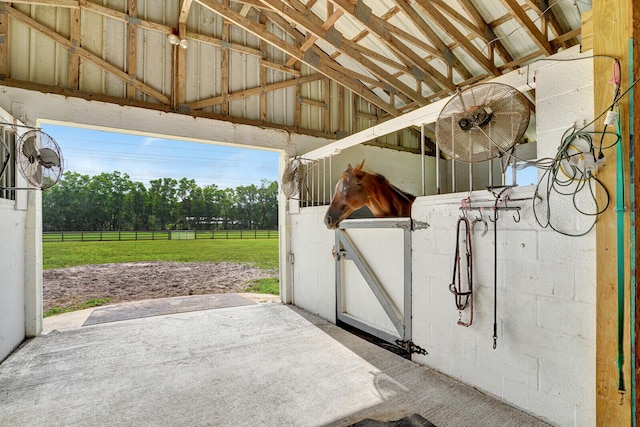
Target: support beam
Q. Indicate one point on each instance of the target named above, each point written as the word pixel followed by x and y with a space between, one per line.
pixel 315 61
pixel 132 45
pixel 4 43
pixel 73 80
pixel 299 14
pixel 429 113
pixel 523 19
pixel 380 29
pixel 64 42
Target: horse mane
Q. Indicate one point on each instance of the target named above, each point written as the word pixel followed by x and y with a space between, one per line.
pixel 408 196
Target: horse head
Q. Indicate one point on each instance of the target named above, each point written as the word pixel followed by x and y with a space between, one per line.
pixel 357 188
pixel 348 196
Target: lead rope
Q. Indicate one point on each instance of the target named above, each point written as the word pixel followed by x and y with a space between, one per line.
pixel 463 299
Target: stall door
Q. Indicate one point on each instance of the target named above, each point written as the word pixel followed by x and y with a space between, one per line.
pixel 373 276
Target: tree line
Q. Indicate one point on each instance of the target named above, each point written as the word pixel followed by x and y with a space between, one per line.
pixel 113 202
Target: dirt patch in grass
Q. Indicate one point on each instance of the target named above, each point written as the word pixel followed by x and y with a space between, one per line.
pixel 145 280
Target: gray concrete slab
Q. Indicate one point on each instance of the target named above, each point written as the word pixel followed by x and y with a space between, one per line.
pixel 255 365
pixel 163 306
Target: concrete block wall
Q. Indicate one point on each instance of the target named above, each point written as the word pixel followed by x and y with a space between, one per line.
pixel 13 257
pixel 544 362
pixel 313 263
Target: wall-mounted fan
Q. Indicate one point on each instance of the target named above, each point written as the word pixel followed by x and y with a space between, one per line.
pixel 39 159
pixel 293 177
pixel 482 122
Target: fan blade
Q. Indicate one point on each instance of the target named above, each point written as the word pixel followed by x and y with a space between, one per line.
pixel 36 177
pixel 48 158
pixel 29 148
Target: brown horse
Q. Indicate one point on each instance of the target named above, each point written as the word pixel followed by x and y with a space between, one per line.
pixel 356 189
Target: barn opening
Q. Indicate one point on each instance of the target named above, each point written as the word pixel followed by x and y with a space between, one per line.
pixel 148 190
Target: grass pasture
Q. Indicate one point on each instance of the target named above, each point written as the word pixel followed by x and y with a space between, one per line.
pixel 262 253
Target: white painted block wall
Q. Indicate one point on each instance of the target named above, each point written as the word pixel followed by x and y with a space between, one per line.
pixel 313 266
pixel 544 362
pixel 15 251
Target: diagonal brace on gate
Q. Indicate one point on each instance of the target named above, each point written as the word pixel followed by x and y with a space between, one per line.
pixel 374 283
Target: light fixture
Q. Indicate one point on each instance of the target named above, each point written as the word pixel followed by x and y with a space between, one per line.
pixel 176 41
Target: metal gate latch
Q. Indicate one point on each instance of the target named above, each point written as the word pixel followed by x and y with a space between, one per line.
pixel 410 347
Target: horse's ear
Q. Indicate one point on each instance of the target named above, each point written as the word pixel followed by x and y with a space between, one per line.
pixel 359 167
pixel 349 167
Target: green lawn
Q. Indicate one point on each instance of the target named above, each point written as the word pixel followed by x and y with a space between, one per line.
pixel 260 253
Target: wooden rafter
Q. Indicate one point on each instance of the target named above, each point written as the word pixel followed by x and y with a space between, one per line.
pixel 543 9
pixel 380 29
pixel 317 62
pixel 490 38
pixel 523 19
pixel 132 45
pixel 439 19
pixel 4 44
pixel 434 39
pixel 85 54
pixel 345 46
pixel 417 65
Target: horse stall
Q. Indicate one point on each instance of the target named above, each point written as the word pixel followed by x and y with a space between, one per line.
pixel 526 332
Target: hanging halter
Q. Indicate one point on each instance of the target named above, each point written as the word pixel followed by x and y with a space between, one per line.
pixel 463 298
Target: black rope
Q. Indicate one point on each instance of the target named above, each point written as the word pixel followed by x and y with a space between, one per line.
pixel 495 275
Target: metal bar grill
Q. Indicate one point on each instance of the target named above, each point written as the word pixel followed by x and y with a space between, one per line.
pixel 7 164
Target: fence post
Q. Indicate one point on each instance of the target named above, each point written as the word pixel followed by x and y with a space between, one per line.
pixel 63 236
pixel 82 236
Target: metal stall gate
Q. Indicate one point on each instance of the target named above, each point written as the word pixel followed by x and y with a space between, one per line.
pixel 373 276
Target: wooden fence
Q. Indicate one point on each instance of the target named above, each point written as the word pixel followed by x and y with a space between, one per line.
pixel 109 236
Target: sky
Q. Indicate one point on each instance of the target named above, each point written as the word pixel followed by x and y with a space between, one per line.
pixel 92 152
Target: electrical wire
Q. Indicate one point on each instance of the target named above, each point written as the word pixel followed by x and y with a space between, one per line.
pixel 567 177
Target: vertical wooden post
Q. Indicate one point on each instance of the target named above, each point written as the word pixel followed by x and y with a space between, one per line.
pixel 263 73
pixel 132 30
pixel 73 79
pixel 4 42
pixel 326 85
pixel 610 37
pixel 224 66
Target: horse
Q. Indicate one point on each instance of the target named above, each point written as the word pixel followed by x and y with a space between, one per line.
pixel 357 188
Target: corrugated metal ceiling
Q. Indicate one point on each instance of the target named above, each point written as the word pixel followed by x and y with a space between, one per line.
pixel 323 67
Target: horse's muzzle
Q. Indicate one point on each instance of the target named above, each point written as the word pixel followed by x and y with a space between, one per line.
pixel 329 222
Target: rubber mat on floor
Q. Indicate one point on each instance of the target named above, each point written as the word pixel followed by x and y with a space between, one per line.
pixel 414 420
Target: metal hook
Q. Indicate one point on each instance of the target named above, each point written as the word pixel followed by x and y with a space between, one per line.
pixel 495 215
pixel 514 216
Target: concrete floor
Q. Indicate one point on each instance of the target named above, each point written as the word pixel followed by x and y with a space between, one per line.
pixel 251 365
